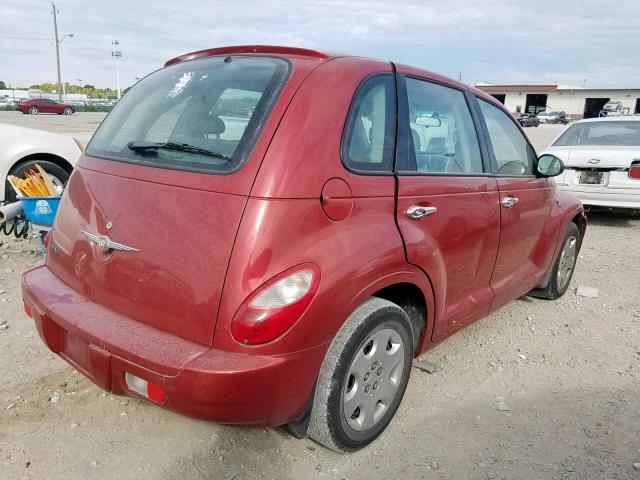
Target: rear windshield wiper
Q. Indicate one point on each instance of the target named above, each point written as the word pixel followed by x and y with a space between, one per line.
pixel 139 146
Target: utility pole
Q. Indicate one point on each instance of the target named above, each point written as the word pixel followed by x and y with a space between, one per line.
pixel 117 54
pixel 460 76
pixel 58 42
pixel 55 28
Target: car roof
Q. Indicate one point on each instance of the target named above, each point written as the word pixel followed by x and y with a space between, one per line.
pixel 621 118
pixel 309 54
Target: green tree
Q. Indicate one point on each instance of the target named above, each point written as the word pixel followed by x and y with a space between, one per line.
pixel 2 85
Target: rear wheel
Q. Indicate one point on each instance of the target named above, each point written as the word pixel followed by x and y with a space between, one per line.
pixel 58 175
pixel 563 267
pixel 363 377
pixel 33 110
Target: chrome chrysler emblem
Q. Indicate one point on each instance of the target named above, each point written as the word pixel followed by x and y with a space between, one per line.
pixel 105 244
pixel 593 161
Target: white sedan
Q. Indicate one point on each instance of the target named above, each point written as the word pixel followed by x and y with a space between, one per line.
pixel 602 159
pixel 21 148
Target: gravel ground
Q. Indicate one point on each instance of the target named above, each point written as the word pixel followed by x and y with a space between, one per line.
pixel 537 390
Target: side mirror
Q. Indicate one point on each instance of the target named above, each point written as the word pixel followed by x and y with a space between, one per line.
pixel 427 121
pixel 549 165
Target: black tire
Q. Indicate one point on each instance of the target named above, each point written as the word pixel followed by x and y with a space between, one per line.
pixel 555 287
pixel 328 423
pixel 20 169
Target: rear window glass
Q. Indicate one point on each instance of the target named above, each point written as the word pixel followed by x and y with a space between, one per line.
pixel 202 115
pixel 623 133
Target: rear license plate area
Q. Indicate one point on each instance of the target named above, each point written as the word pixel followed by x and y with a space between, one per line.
pixel 591 178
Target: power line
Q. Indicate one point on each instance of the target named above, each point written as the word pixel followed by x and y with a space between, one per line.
pixel 20 37
pixel 134 27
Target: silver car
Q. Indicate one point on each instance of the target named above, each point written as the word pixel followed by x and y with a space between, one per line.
pixel 602 159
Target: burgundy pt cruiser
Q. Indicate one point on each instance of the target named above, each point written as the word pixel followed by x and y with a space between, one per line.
pixel 267 235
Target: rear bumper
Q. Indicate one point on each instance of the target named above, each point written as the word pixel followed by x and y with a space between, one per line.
pixel 615 191
pixel 199 381
pixel 605 197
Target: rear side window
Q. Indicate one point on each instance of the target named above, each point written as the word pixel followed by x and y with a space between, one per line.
pixel 202 115
pixel 443 135
pixel 367 144
pixel 514 156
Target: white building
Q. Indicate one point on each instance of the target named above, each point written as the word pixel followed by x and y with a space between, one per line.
pixel 578 102
pixel 15 95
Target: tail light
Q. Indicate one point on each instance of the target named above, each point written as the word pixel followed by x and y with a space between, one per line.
pixel 634 171
pixel 274 307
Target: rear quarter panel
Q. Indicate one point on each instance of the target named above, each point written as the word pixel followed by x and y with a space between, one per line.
pixel 285 225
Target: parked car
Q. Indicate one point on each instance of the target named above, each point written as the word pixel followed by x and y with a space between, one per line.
pixel 612 109
pixel 553 117
pixel 7 102
pixel 286 268
pixel 528 120
pixel 23 147
pixel 603 161
pixel 34 106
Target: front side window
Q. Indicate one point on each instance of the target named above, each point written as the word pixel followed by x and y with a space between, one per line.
pixel 201 116
pixel 514 156
pixel 603 133
pixel 367 144
pixel 443 136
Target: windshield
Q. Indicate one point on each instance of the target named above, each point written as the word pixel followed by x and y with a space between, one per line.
pixel 622 133
pixel 213 109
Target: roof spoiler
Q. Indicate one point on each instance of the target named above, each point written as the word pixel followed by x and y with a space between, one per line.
pixel 261 49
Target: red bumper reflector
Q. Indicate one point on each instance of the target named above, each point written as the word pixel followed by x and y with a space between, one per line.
pixel 27 309
pixel 155 393
pixel 149 390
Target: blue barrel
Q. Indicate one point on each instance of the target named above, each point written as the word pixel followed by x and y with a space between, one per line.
pixel 40 210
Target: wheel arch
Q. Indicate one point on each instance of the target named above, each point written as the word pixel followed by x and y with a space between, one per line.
pixel 411 290
pixel 580 220
pixel 49 157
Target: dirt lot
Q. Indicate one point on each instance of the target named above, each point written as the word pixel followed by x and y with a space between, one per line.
pixel 537 390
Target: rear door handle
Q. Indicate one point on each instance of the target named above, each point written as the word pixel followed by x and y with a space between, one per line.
pixel 416 211
pixel 509 202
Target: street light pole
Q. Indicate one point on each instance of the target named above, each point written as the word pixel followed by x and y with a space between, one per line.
pixel 117 54
pixel 55 28
pixel 58 42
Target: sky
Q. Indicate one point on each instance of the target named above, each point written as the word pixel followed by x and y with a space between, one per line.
pixel 491 41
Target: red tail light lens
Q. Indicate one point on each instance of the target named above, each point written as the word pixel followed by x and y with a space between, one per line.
pixel 272 309
pixel 634 172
